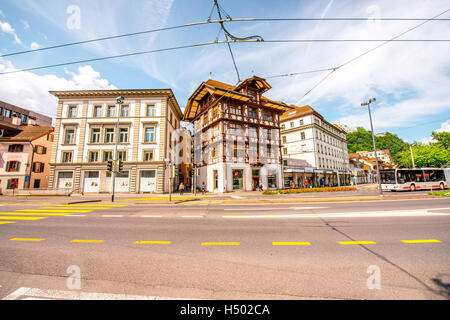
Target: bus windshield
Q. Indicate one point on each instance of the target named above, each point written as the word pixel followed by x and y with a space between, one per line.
pixel 387 177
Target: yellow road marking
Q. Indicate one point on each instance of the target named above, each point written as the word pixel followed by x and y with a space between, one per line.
pixel 21 218
pixel 40 210
pixel 36 213
pixel 27 239
pixel 220 243
pixel 6 222
pixel 291 243
pixel 162 198
pixel 421 241
pixel 78 208
pixel 152 242
pixel 357 242
pixel 94 205
pixel 87 241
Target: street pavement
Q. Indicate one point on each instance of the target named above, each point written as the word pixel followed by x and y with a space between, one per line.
pixel 386 249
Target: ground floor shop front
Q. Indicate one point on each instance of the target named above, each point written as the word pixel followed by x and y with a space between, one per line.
pixel 92 179
pixel 312 178
pixel 228 177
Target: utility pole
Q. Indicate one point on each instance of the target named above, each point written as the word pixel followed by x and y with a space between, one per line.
pixel 119 101
pixel 412 156
pixel 374 145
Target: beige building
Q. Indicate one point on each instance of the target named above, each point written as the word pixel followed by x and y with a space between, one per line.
pixel 306 135
pixel 85 137
pixel 24 159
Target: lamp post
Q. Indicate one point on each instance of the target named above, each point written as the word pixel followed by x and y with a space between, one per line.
pixel 374 145
pixel 119 101
pixel 412 156
pixel 169 166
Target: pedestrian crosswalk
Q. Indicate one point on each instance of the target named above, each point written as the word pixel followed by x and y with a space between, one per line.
pixel 47 212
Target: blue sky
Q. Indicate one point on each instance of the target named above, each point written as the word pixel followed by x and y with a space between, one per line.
pixel 410 80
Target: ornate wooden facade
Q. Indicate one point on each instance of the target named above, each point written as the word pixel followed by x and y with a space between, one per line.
pixel 236 135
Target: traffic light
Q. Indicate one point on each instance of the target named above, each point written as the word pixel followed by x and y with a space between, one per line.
pixel 109 167
pixel 120 166
pixel 197 171
pixel 174 171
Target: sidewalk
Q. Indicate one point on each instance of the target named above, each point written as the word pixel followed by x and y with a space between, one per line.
pixel 240 197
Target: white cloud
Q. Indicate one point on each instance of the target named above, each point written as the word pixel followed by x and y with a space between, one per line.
pixel 6 28
pixel 34 46
pixel 445 127
pixel 31 91
pixel 26 25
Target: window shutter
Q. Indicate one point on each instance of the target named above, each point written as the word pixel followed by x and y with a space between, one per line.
pixel 7 167
pixel 44 151
pixel 34 167
pixel 18 166
pixel 42 167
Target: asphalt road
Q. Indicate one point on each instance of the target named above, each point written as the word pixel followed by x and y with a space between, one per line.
pixel 212 251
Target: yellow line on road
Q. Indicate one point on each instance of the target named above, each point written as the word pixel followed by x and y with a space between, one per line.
pixel 36 213
pixel 87 241
pixel 6 222
pixel 21 218
pixel 94 205
pixel 221 243
pixel 78 208
pixel 357 242
pixel 291 243
pixel 27 239
pixel 421 241
pixel 40 210
pixel 152 242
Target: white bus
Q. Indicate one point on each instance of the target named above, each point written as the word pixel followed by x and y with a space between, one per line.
pixel 414 179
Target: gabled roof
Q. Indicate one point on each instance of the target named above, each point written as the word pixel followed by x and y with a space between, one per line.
pixel 214 87
pixel 298 112
pixel 29 133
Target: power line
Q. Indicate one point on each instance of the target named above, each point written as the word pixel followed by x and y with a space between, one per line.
pixel 229 19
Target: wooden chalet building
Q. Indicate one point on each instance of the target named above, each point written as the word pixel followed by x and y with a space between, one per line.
pixel 236 135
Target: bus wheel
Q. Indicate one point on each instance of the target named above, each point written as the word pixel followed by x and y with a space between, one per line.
pixel 441 186
pixel 413 187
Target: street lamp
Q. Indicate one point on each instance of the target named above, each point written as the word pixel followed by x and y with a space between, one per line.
pixel 374 146
pixel 412 156
pixel 169 166
pixel 119 101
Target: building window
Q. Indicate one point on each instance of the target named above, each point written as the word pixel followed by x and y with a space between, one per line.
pixel 302 135
pixel 284 150
pixel 95 135
pixel 213 152
pixel 111 111
pixel 107 156
pixel 252 112
pixel 267 116
pixel 150 110
pixel 234 128
pixel 123 135
pixel 7 113
pixel 283 127
pixel 93 156
pixel 148 155
pixel 253 132
pixel 38 167
pixel 301 122
pixel 12 166
pixel 109 135
pixel 170 117
pixel 15 148
pixel 292 124
pixel 97 112
pixel 69 137
pixel 37 183
pixel 72 112
pixel 67 156
pixel 40 150
pixel 24 118
pixel 13 182
pixel 267 133
pixel 236 110
pixel 283 138
pixel 270 153
pixel 50 137
pixel 124 111
pixel 149 134
pixel 122 155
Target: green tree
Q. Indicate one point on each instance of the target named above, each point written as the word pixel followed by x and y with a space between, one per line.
pixel 360 140
pixel 443 138
pixel 425 155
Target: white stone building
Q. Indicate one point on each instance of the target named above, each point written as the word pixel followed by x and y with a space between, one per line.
pixel 85 136
pixel 307 136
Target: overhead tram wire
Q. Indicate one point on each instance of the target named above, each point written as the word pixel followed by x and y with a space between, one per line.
pixel 371 50
pixel 229 19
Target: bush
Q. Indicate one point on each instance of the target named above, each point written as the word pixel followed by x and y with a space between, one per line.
pixel 307 190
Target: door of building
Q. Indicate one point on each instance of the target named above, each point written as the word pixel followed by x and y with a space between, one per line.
pixel 255 179
pixel 238 179
pixel 147 181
